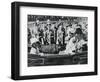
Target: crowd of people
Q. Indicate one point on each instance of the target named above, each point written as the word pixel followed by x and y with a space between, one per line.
pixel 71 34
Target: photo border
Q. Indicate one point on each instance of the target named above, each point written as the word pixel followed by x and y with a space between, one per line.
pixel 15 40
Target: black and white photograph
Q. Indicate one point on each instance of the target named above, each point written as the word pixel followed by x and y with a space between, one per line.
pixel 57 40
pixel 53 40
